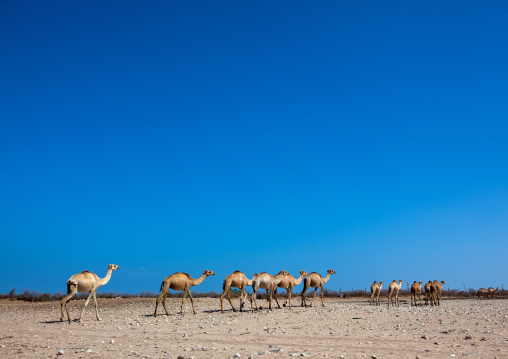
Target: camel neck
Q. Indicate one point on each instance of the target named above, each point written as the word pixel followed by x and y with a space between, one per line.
pixel 198 281
pixel 103 281
pixel 325 279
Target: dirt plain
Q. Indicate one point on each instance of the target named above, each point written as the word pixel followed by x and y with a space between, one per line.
pixel 343 329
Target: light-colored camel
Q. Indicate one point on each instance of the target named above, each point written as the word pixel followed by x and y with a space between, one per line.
pixel 491 292
pixel 287 282
pixel 315 280
pixel 435 292
pixel 236 279
pixel 85 282
pixel 482 292
pixel 416 292
pixel 393 289
pixel 182 282
pixel 375 290
pixel 267 282
pixel 427 292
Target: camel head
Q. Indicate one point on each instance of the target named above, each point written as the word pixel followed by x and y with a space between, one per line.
pixel 381 283
pixel 331 271
pixel 208 272
pixel 303 273
pixel 113 267
pixel 420 283
pixel 256 274
pixel 400 282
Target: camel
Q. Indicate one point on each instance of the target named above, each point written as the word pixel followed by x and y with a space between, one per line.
pixel 416 290
pixel 236 279
pixel 375 290
pixel 435 292
pixel 267 282
pixel 182 282
pixel 394 288
pixel 315 280
pixel 427 292
pixel 85 282
pixel 491 291
pixel 287 282
pixel 482 292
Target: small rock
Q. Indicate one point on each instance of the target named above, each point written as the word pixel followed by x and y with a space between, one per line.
pixel 60 352
pixel 304 355
pixel 425 337
pixel 112 341
pixel 237 355
pixel 374 357
pixel 469 336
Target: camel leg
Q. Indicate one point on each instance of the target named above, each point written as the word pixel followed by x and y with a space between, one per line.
pixel 290 291
pixel 254 296
pixel 159 297
pixel 389 297
pixel 164 302
pixel 183 300
pixel 64 301
pixel 96 310
pixel 314 296
pixel 86 304
pixel 275 296
pixel 192 301
pixel 229 299
pixel 243 298
pixel 269 298
pixel 304 291
pixel 323 303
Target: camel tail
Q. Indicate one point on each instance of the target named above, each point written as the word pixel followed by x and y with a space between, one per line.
pixel 69 284
pixel 224 286
pixel 162 286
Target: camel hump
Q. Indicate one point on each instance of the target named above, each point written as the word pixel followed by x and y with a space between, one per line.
pixel 86 271
pixel 237 271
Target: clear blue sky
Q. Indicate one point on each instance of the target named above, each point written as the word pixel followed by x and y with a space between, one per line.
pixel 366 137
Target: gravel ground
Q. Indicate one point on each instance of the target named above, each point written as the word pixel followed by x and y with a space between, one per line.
pixel 343 329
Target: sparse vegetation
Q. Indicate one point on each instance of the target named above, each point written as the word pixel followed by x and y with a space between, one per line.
pixel 35 296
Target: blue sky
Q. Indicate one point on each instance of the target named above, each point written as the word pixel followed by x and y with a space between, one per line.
pixel 365 137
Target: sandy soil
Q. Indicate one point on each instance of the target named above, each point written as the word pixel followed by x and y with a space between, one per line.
pixel 343 329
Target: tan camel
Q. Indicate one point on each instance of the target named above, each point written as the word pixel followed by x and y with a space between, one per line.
pixel 393 289
pixel 482 292
pixel 182 282
pixel 287 282
pixel 416 290
pixel 375 290
pixel 427 292
pixel 236 279
pixel 435 292
pixel 491 292
pixel 85 282
pixel 315 280
pixel 267 282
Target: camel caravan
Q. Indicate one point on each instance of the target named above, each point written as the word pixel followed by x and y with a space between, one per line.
pixel 87 282
pixel 432 293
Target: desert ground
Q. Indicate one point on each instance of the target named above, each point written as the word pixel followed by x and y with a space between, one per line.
pixel 342 329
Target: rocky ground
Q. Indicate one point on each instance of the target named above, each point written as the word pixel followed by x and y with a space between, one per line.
pixel 343 329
